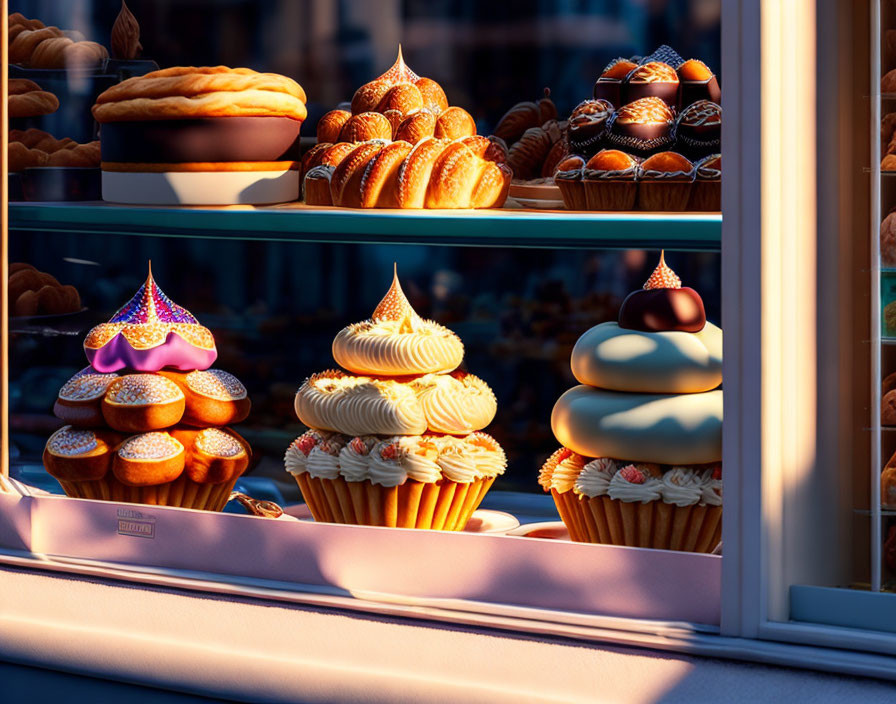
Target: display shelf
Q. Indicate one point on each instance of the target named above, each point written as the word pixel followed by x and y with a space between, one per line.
pixel 300 223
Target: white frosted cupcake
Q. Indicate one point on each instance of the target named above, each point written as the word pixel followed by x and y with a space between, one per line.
pixel 296 463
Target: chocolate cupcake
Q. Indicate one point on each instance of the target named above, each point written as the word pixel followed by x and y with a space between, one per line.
pixel 643 127
pixel 610 181
pixel 588 126
pixel 707 191
pixel 698 83
pixel 652 79
pixel 665 182
pixel 609 83
pixel 698 131
pixel 568 177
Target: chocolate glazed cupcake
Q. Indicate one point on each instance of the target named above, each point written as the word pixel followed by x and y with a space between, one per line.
pixel 665 182
pixel 643 127
pixel 707 191
pixel 698 131
pixel 698 83
pixel 588 126
pixel 652 79
pixel 610 181
pixel 568 177
pixel 609 84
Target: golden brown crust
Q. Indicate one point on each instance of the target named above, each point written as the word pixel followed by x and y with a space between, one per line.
pixel 379 185
pixel 80 455
pixel 558 152
pixel 416 127
pixel 454 123
pixel 619 69
pixel 667 162
pixel 149 458
pixel 404 98
pixel 21 48
pixel 201 166
pixel 212 397
pixel 330 125
pixel 214 91
pixel 528 154
pixel 694 70
pixel 26 99
pixel 366 126
pixel 63 52
pixel 517 120
pixel 34 138
pixel 139 403
pixel 213 455
pixel 434 98
pixel 83 155
pixel 21 157
pixel 654 72
pixel 611 160
pixel 125 38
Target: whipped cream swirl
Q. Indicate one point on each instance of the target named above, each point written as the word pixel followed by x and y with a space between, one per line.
pixel 595 477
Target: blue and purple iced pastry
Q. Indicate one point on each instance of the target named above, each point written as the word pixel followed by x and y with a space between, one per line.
pixel 150 332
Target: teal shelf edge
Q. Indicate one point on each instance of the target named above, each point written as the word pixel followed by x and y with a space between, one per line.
pixel 296 222
pixel 847 608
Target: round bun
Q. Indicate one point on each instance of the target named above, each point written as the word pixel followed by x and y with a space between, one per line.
pixel 694 70
pixel 148 459
pixel 212 455
pixel 611 160
pixel 667 162
pixel 80 398
pixel 612 358
pixel 138 403
pixel 212 397
pixel 681 429
pixel 653 72
pixel 74 454
pixel 619 69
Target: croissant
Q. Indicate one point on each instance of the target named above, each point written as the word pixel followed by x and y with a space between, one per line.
pixel 26 99
pixel 524 116
pixel 528 155
pixel 435 173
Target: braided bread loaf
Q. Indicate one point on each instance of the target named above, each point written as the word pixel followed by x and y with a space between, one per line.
pixel 399 105
pixel 463 173
pixel 26 99
pixel 32 44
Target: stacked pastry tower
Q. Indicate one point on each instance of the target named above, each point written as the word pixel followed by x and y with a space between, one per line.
pixel 402 146
pixel 394 440
pixel 147 420
pixel 642 435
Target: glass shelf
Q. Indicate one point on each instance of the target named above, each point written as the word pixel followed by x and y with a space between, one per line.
pixel 300 223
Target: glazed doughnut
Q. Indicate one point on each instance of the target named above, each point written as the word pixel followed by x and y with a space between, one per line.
pixel 80 398
pixel 213 455
pixel 670 362
pixel 138 403
pixel 149 458
pixel 681 429
pixel 213 397
pixel 73 454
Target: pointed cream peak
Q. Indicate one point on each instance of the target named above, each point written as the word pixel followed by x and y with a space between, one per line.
pixel 662 276
pixel 395 305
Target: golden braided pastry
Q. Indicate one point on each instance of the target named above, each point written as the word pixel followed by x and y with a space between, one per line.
pixel 21 157
pixel 399 105
pixel 528 155
pixel 50 47
pixel 212 91
pixel 463 173
pixel 34 138
pixel 26 99
pixel 524 116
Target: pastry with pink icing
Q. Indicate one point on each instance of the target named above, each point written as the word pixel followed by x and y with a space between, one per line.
pixel 150 332
pixel 398 434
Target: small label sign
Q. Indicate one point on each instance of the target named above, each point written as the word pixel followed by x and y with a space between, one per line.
pixel 136 524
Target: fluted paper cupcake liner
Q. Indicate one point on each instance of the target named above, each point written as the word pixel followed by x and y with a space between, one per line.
pixel 183 492
pixel 609 194
pixel 442 505
pixel 655 524
pixel 573 193
pixel 664 195
pixel 706 195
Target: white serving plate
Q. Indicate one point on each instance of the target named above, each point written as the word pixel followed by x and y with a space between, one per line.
pixel 201 187
pixel 482 520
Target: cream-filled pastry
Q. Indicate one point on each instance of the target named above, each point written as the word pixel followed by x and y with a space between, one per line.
pixel 395 341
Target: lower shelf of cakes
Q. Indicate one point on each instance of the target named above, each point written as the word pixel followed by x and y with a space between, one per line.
pixel 474 572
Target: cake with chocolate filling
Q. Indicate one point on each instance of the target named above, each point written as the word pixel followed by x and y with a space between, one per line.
pixel 698 130
pixel 608 85
pixel 641 436
pixel 609 180
pixel 148 421
pixel 588 126
pixel 698 82
pixel 707 191
pixel 396 439
pixel 665 181
pixel 208 135
pixel 652 79
pixel 642 127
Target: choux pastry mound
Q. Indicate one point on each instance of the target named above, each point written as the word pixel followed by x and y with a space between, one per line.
pixel 396 440
pixel 642 435
pixel 144 425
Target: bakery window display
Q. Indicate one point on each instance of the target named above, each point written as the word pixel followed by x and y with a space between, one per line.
pixel 201 136
pixel 148 420
pixel 640 463
pixel 34 45
pixel 403 146
pixel 396 439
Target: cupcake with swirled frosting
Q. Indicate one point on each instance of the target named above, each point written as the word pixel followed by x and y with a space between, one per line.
pixel 413 454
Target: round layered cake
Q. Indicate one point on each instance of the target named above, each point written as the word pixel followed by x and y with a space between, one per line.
pixel 396 439
pixel 201 136
pixel 642 433
pixel 147 421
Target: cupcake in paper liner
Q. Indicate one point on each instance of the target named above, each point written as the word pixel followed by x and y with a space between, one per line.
pixel 568 178
pixel 707 192
pixel 665 181
pixel 296 463
pixel 610 181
